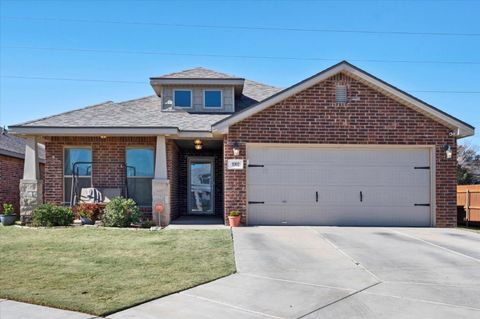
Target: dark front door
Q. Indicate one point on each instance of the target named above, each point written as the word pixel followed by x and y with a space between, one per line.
pixel 201 183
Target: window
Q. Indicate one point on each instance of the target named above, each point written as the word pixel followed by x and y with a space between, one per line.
pixel 212 98
pixel 140 167
pixel 71 156
pixel 182 98
pixel 341 94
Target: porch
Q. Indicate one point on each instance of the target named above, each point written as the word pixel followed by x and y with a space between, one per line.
pixel 184 175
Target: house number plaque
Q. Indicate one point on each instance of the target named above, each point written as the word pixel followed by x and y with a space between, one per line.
pixel 235 164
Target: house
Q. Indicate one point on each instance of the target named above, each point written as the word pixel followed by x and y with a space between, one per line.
pixel 339 148
pixel 12 154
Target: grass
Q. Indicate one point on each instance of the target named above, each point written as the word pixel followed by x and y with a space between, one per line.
pixel 100 271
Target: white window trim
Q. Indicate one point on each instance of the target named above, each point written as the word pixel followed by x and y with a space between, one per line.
pixel 183 107
pixel 213 107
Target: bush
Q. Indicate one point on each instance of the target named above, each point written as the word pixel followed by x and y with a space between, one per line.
pixel 7 209
pixel 89 210
pixel 121 212
pixel 148 224
pixel 51 215
pixel 234 213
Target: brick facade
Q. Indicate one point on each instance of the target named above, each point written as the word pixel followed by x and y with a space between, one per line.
pixel 110 149
pixel 309 117
pixel 109 175
pixel 11 172
pixel 173 176
pixel 369 117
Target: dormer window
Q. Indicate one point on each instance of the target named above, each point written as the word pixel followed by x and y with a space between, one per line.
pixel 182 98
pixel 212 99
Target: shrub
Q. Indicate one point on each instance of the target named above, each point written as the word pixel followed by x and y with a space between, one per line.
pixel 89 210
pixel 51 215
pixel 7 209
pixel 121 212
pixel 234 213
pixel 148 224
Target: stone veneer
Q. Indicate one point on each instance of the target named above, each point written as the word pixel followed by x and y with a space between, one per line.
pixel 31 196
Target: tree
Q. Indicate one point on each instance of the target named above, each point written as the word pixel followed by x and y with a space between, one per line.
pixel 468 164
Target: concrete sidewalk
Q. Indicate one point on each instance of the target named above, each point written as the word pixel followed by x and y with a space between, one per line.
pixel 19 310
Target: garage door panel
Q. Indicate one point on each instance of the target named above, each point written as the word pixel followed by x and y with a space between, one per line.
pixel 359 175
pixel 391 182
pixel 343 216
pixel 347 156
pixel 267 214
pixel 379 216
pixel 339 195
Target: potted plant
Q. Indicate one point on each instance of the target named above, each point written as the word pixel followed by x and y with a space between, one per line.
pixel 234 218
pixel 7 218
pixel 88 213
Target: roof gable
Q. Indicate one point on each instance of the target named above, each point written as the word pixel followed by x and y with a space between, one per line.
pixel 459 127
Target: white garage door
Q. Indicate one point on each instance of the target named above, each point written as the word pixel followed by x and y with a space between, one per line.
pixel 338 186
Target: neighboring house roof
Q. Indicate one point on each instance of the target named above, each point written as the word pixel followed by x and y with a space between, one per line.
pixel 141 116
pixel 460 128
pixel 15 146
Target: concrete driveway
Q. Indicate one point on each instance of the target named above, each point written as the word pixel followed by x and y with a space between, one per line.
pixel 331 272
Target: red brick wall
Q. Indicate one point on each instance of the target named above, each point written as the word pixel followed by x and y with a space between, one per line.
pixel 312 116
pixel 11 172
pixel 111 149
pixel 173 176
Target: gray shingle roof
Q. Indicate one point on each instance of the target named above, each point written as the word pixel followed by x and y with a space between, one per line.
pixel 142 112
pixel 15 146
pixel 146 111
pixel 197 73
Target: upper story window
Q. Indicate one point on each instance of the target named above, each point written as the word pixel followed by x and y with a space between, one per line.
pixel 212 98
pixel 182 98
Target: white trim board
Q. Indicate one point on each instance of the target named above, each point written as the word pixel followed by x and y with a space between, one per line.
pixel 459 128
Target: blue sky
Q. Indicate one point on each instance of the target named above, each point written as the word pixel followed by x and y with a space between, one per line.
pixel 26 99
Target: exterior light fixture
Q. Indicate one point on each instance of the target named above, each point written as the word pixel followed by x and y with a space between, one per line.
pixel 236 149
pixel 103 137
pixel 448 151
pixel 198 144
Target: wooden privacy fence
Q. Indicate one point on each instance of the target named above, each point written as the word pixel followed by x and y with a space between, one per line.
pixel 468 196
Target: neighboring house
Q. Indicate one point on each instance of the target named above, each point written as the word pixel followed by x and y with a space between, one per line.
pixel 339 148
pixel 12 154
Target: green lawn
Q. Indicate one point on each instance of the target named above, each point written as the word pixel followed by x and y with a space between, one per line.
pixel 100 271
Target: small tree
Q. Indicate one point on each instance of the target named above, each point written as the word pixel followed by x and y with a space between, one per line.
pixel 468 164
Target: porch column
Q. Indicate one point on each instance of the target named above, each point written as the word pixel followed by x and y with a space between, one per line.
pixel 31 186
pixel 161 184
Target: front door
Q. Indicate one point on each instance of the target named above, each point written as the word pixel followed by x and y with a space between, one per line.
pixel 201 174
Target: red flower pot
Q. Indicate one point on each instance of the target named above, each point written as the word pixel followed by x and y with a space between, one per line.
pixel 234 221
